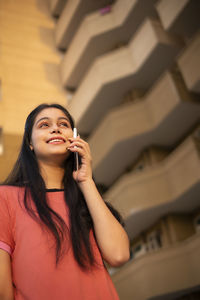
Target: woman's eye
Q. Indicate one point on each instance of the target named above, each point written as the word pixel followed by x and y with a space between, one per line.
pixel 64 124
pixel 44 125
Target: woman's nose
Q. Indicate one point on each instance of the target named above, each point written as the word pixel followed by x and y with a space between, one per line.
pixel 55 129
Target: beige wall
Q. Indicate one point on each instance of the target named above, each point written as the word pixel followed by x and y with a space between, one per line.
pixel 28 69
pixel 160 272
pixel 150 157
pixel 180 227
pixel 29 75
pixel 173 228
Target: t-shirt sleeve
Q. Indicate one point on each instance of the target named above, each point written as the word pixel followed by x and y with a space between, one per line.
pixel 6 222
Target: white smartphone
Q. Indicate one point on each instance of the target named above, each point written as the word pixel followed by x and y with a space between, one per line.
pixel 75 134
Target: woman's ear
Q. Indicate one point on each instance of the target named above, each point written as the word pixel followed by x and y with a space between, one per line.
pixel 31 147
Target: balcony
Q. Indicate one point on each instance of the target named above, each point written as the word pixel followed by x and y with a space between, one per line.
pixel 111 76
pixel 189 64
pixel 181 17
pixel 9 147
pixel 161 273
pixel 162 118
pixel 71 17
pixel 173 185
pixel 56 7
pixel 100 34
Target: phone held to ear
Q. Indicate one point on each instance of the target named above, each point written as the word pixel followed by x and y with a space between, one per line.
pixel 76 153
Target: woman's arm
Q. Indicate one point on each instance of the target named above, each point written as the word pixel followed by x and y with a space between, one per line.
pixel 111 237
pixel 6 288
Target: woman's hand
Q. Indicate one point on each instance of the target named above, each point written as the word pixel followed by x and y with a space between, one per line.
pixel 112 239
pixel 84 173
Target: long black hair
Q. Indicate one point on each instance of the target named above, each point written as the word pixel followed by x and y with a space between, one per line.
pixel 26 174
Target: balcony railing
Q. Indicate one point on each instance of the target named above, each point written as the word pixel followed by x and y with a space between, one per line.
pixel 162 118
pixel 71 17
pixel 100 34
pixel 180 17
pixel 162 272
pixel 111 76
pixel 56 7
pixel 189 64
pixel 171 185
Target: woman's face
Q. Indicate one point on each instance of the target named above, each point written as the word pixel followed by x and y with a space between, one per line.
pixel 50 134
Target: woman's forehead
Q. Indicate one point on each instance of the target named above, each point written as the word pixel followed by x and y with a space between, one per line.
pixel 51 113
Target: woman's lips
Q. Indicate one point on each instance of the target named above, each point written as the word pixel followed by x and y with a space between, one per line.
pixel 56 140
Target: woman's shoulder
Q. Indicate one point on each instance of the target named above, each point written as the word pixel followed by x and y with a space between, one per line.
pixel 10 197
pixel 5 187
pixel 10 190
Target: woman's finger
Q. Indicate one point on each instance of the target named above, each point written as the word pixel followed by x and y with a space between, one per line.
pixel 81 141
pixel 80 149
pixel 80 144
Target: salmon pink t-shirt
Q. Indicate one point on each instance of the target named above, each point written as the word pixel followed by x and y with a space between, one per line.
pixel 32 251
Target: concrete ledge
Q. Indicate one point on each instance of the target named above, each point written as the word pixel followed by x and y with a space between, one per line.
pixel 100 34
pixel 189 64
pixel 180 16
pixel 71 17
pixel 172 185
pixel 56 7
pixel 161 118
pixel 111 76
pixel 158 274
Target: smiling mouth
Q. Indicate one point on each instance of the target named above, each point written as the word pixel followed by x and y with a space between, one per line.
pixel 56 141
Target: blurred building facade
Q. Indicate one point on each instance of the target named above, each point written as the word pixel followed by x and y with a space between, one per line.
pixel 129 73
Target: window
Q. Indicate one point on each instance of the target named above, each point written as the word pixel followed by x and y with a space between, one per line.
pixel 154 241
pixel 197 223
pixel 139 250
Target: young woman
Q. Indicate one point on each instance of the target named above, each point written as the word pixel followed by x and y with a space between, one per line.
pixel 55 228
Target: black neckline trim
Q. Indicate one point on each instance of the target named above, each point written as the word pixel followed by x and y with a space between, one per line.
pixel 54 190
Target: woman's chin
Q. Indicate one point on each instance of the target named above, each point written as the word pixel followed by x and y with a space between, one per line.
pixel 54 156
pixel 59 154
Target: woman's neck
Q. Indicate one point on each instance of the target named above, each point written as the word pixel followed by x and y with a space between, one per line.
pixel 52 175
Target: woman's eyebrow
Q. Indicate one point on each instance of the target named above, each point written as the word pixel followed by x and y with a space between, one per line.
pixel 46 118
pixel 63 118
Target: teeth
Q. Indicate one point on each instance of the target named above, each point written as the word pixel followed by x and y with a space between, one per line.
pixel 56 140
